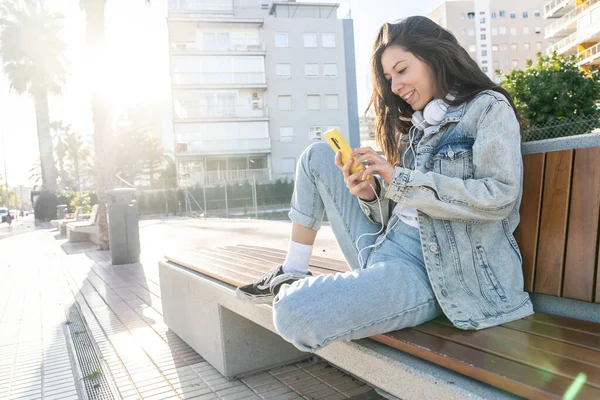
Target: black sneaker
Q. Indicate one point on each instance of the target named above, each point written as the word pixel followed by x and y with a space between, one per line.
pixel 266 288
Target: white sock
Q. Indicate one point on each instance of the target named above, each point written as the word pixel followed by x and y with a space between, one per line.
pixel 297 258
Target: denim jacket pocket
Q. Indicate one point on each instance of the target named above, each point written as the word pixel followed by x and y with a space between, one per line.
pixel 454 159
pixel 489 274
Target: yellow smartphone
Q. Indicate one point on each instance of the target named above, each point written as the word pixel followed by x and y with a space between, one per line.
pixel 338 143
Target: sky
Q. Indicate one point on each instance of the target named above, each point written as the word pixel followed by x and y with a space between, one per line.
pixel 137 63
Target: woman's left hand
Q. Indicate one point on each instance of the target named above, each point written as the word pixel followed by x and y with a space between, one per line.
pixel 376 163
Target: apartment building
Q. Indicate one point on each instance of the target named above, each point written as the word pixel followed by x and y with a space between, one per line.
pixel 254 83
pixel 498 34
pixel 575 29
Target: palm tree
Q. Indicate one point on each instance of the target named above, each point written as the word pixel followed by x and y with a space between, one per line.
pixel 104 157
pixel 33 60
pixel 59 132
pixel 79 154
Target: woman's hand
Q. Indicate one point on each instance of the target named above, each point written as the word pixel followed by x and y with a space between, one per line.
pixel 365 190
pixel 376 163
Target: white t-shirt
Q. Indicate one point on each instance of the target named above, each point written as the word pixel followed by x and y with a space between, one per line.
pixel 409 215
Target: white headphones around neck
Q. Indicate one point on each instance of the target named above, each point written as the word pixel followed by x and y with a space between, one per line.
pixel 433 113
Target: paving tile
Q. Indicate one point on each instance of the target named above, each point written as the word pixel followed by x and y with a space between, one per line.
pixel 275 393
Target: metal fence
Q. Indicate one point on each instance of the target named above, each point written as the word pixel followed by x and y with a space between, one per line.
pixel 562 127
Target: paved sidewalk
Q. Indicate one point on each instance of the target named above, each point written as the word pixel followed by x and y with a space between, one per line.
pixel 48 288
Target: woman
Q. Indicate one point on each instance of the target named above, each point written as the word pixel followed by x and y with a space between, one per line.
pixel 449 186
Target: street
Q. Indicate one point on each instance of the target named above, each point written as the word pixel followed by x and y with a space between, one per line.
pixel 18 226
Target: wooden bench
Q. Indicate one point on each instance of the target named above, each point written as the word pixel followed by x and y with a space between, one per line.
pixel 83 231
pixel 553 354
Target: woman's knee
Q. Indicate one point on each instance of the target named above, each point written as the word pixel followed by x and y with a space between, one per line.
pixel 317 154
pixel 293 320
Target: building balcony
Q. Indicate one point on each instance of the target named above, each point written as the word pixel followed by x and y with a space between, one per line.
pixel 245 46
pixel 203 6
pixel 190 149
pixel 210 178
pixel 219 80
pixel 558 8
pixel 567 24
pixel 590 56
pixel 222 113
pixel 569 44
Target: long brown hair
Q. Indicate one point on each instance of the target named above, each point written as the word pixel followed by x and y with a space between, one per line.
pixel 452 67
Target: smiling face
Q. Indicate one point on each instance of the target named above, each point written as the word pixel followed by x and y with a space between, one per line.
pixel 409 77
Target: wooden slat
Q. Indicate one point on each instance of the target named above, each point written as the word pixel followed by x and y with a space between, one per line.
pixel 553 225
pixel 487 341
pixel 548 345
pixel 332 267
pixel 516 378
pixel 566 322
pixel 565 335
pixel 334 264
pixel 597 297
pixel 584 213
pixel 527 231
pixel 196 263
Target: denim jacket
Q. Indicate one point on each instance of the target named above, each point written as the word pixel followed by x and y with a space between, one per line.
pixel 467 186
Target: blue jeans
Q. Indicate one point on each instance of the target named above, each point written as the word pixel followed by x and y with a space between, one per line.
pixel 390 291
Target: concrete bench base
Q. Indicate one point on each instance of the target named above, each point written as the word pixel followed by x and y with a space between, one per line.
pixel 205 314
pixel 83 233
pixel 239 339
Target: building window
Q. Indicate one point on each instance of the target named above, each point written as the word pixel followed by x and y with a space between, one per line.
pixel 215 41
pixel 495 47
pixel 288 165
pixel 497 64
pixel 504 47
pixel 484 61
pixel 514 47
pixel 537 13
pixel 311 70
pixel 526 46
pixel 493 15
pixel 314 101
pixel 471 32
pixel 494 31
pixel 464 32
pixel 328 39
pixel 283 70
pixel 285 103
pixel 332 102
pixel 281 40
pixel 482 29
pixel 472 48
pixel 483 36
pixel 330 70
pixel 310 40
pixel 526 30
pixel 471 15
pixel 513 15
pixel 314 133
pixel 513 31
pixel 538 45
pixel 525 14
pixel 503 30
pixel 286 134
pixel 515 63
pixel 484 53
pixel 502 14
pixel 482 20
pixel 538 29
pixel 484 69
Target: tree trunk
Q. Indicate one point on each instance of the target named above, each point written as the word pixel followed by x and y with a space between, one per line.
pixel 76 167
pixel 104 157
pixel 42 116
